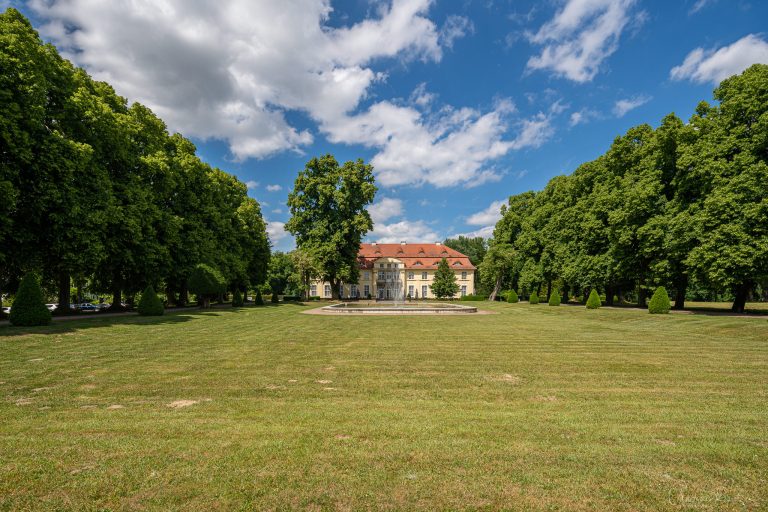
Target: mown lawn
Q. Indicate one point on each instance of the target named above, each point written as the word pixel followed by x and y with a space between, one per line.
pixel 532 408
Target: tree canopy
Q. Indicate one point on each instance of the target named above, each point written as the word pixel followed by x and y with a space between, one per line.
pixel 444 284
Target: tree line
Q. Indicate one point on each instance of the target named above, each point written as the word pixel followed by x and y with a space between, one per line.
pixel 92 188
pixel 683 205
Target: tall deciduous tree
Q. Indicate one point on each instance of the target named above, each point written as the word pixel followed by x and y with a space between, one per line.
pixel 329 215
pixel 444 284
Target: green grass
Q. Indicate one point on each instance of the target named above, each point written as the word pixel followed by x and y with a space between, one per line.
pixel 532 408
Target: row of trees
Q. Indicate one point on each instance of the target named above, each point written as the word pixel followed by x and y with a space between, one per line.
pixel 93 188
pixel 678 205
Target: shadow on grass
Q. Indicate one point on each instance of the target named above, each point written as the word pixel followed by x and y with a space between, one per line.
pixel 96 322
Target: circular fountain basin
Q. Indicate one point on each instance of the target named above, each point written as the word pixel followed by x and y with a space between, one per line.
pixel 426 308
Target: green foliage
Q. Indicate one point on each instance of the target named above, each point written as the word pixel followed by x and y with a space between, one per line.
pixel 534 298
pixel 29 306
pixel 237 299
pixel 259 300
pixel 659 303
pixel 150 304
pixel 281 269
pixel 329 215
pixel 474 298
pixel 554 297
pixel 206 282
pixel 444 284
pixel 593 302
pixel 512 297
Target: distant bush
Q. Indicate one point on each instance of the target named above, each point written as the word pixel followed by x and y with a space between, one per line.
pixel 291 298
pixel 317 297
pixel 554 297
pixel 150 304
pixel 593 302
pixel 473 298
pixel 237 299
pixel 512 297
pixel 534 298
pixel 659 303
pixel 259 300
pixel 28 306
pixel 205 282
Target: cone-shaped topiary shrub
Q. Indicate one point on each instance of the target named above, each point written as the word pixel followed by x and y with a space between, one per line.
pixel 237 299
pixel 259 300
pixel 534 298
pixel 150 304
pixel 512 296
pixel 28 306
pixel 659 303
pixel 554 297
pixel 593 302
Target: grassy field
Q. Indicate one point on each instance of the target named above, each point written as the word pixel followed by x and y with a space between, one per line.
pixel 267 408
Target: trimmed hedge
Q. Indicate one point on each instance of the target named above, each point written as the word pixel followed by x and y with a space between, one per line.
pixel 659 303
pixel 237 299
pixel 593 302
pixel 317 297
pixel 473 298
pixel 259 300
pixel 28 307
pixel 554 297
pixel 534 298
pixel 512 297
pixel 150 304
pixel 291 298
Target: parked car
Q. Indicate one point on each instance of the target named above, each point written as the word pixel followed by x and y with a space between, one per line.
pixel 51 307
pixel 7 310
pixel 87 307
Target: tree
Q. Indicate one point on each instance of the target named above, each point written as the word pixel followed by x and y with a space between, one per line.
pixel 329 216
pixel 206 282
pixel 534 298
pixel 444 284
pixel 512 297
pixel 593 302
pixel 29 307
pixel 554 297
pixel 474 248
pixel 237 299
pixel 659 303
pixel 150 304
pixel 496 266
pixel 305 269
pixel 279 273
pixel 259 300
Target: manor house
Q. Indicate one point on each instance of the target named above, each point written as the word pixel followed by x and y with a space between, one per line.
pixel 398 271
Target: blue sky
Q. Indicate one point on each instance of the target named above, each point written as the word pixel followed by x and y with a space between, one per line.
pixel 457 104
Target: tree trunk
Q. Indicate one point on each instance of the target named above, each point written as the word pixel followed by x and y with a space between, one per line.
pixel 680 290
pixel 64 293
pixel 205 302
pixel 183 296
pixel 566 294
pixel 334 289
pixel 549 289
pixel 117 298
pixel 740 301
pixel 496 289
pixel 641 296
pixel 609 295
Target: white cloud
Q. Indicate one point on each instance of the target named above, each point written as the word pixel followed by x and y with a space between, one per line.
pixel 714 66
pixel 277 211
pixel 699 5
pixel 231 69
pixel 276 231
pixel 385 209
pixel 251 184
pixel 404 230
pixel 485 232
pixel 454 28
pixel 534 132
pixel 274 188
pixel 621 107
pixel 582 34
pixel 489 216
pixel 583 116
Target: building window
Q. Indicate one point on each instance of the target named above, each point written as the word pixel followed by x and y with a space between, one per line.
pixel 389 276
pixel 389 265
pixel 424 291
pixel 381 293
pixel 381 265
pixel 366 290
pixel 381 275
pixel 367 276
pixel 464 290
pixel 313 290
pixel 410 290
pixel 410 275
pixel 463 275
pixel 327 290
pixel 353 290
pixel 423 276
pixel 395 265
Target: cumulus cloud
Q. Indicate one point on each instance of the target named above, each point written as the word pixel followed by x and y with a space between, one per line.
pixel 582 34
pixel 485 232
pixel 231 70
pixel 699 5
pixel 276 231
pixel 385 209
pixel 454 28
pixel 583 116
pixel 621 107
pixel 251 184
pixel 274 188
pixel 715 65
pixel 489 216
pixel 404 230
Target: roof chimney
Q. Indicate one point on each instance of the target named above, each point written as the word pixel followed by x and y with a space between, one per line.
pixel 373 244
pixel 402 242
pixel 438 243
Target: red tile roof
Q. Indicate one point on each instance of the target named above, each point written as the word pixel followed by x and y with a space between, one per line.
pixel 414 256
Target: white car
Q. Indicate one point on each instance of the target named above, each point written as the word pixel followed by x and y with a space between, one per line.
pixel 7 311
pixel 51 307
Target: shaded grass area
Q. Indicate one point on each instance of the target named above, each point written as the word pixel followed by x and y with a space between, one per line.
pixel 532 408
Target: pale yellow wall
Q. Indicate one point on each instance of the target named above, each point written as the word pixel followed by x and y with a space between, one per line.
pixel 417 282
